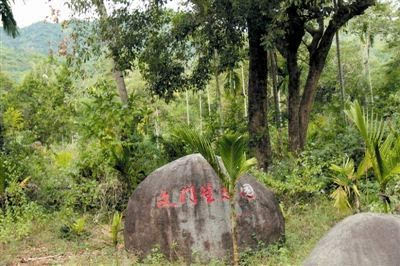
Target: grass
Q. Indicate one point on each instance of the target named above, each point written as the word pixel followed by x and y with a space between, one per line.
pixel 306 223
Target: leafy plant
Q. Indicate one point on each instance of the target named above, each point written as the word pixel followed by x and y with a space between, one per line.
pixel 347 193
pixel 78 227
pixel 116 227
pixel 382 154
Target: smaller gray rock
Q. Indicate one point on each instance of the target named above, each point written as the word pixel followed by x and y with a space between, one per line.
pixel 364 239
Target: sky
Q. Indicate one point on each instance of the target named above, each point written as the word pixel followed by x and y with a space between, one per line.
pixel 27 12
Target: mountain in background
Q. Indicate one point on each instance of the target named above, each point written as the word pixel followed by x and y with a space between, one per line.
pixel 19 55
pixel 39 37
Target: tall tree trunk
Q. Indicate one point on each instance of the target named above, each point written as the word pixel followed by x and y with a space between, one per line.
pixel 318 48
pixel 366 67
pixel 208 100
pixel 259 142
pixel 157 128
pixel 201 113
pixel 118 75
pixel 218 92
pixel 187 108
pixel 293 101
pixel 119 78
pixel 273 74
pixel 340 71
pixel 307 100
pixel 235 248
pixel 244 93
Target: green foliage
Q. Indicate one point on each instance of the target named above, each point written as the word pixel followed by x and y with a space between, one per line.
pixel 232 150
pixel 199 144
pixel 78 227
pixel 382 153
pixel 74 229
pixel 40 37
pixel 7 19
pixel 19 216
pixel 347 194
pixel 13 120
pixel 116 227
pixel 70 151
pixel 42 96
pixel 155 257
pixel 116 132
pixel 17 63
pixel 289 185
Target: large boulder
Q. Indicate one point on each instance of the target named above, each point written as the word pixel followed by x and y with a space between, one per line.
pixel 183 209
pixel 365 239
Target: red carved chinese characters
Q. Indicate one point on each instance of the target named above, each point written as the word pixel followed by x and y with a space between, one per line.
pixel 163 200
pixel 192 192
pixel 225 194
pixel 207 192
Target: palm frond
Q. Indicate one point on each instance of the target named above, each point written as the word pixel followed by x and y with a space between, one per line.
pixel 7 18
pixel 341 200
pixel 232 150
pixel 382 154
pixel 199 144
pixel 364 165
pixel 371 129
pixel 233 162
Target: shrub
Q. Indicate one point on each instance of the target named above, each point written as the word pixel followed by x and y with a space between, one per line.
pixel 19 216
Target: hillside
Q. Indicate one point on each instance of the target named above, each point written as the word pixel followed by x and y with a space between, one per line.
pixel 19 55
pixel 16 62
pixel 39 37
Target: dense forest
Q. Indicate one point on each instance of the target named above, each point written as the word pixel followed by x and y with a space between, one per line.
pixel 302 95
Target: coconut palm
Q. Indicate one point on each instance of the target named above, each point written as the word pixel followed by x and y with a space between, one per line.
pixel 232 165
pixel 382 154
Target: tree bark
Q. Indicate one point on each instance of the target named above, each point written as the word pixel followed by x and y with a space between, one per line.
pixel 235 248
pixel 274 73
pixel 339 62
pixel 306 103
pixel 118 74
pixel 187 108
pixel 119 78
pixel 259 142
pixel 244 93
pixel 293 101
pixel 340 72
pixel 275 91
pixel 200 112
pixel 208 100
pixel 322 38
pixel 218 92
pixel 366 68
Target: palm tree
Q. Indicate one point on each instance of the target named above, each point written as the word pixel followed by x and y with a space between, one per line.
pixel 232 165
pixel 346 194
pixel 7 17
pixel 382 154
